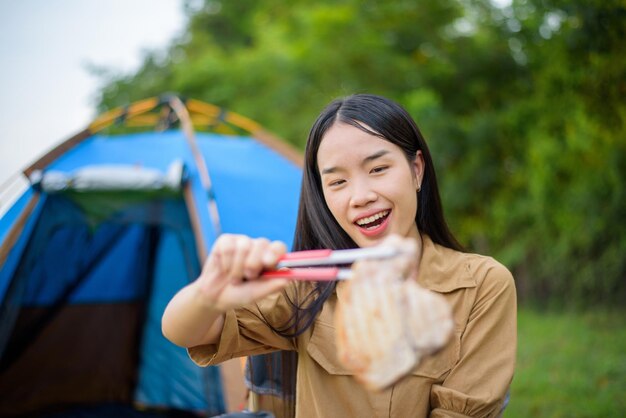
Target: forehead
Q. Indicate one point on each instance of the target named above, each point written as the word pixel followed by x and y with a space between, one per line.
pixel 343 143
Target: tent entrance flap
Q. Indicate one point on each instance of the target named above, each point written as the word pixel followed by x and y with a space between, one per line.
pixel 86 327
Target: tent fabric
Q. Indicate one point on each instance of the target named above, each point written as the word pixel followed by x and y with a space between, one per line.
pixel 85 282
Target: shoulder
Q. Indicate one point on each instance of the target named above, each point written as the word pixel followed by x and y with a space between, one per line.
pixel 490 276
pixel 444 269
pixel 488 271
pixel 495 288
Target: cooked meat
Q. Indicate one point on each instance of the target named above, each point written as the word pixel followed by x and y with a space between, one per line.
pixel 386 322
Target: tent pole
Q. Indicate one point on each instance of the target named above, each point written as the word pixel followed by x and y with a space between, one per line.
pixel 183 115
pixel 201 244
pixel 17 228
pixel 233 384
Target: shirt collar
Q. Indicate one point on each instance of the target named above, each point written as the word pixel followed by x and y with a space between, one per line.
pixel 443 269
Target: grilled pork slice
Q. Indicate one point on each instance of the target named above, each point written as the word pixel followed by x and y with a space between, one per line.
pixel 385 322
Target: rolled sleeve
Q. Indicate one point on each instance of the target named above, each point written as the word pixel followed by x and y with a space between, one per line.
pixel 477 385
pixel 210 354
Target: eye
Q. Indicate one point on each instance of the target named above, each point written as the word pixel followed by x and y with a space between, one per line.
pixel 379 169
pixel 336 183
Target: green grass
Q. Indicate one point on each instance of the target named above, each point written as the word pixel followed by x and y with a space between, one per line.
pixel 570 365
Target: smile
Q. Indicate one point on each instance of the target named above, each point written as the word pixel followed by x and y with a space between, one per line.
pixel 373 221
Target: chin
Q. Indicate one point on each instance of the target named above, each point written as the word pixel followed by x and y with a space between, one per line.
pixel 369 242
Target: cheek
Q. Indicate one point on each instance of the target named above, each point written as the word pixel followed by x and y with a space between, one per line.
pixel 408 196
pixel 335 204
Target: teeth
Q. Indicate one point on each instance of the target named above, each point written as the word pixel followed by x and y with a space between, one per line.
pixel 370 219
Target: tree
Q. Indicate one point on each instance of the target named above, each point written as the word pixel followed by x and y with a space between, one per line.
pixel 522 106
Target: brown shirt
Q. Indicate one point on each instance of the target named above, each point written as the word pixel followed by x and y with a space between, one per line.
pixel 469 377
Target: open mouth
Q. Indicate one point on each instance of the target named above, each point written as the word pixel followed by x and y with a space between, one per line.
pixel 371 222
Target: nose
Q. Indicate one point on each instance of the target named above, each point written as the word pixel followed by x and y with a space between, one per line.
pixel 362 194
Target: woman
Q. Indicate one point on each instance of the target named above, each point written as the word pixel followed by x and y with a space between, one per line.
pixel 368 175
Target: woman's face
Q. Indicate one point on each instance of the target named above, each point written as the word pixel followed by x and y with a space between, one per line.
pixel 369 186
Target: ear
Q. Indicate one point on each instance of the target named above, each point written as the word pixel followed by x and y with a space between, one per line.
pixel 418 167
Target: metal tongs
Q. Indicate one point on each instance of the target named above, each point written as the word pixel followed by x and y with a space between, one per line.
pixel 325 265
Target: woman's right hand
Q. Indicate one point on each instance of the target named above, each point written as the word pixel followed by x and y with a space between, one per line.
pixel 229 279
pixel 230 276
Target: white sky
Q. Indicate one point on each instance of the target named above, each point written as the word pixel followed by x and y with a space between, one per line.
pixel 46 92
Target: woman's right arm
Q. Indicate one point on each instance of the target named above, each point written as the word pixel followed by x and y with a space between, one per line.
pixel 229 279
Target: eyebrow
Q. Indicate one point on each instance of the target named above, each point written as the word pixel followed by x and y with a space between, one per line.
pixel 367 159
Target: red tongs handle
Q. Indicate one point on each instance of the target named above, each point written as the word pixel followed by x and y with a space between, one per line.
pixel 306 255
pixel 322 264
pixel 315 274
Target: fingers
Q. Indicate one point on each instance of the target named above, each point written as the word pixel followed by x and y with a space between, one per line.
pixel 235 263
pixel 276 250
pixel 239 250
pixel 262 256
pixel 237 256
pixel 253 264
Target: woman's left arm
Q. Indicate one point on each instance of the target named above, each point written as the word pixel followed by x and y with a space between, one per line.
pixel 478 383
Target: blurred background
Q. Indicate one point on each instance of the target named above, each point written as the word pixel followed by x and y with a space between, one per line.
pixel 51 53
pixel 521 102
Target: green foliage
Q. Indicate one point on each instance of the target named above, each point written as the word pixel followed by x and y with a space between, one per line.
pixel 569 365
pixel 522 107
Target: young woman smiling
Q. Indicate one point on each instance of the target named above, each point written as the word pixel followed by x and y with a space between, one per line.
pixel 368 176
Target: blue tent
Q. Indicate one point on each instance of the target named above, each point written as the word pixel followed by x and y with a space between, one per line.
pixel 114 222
